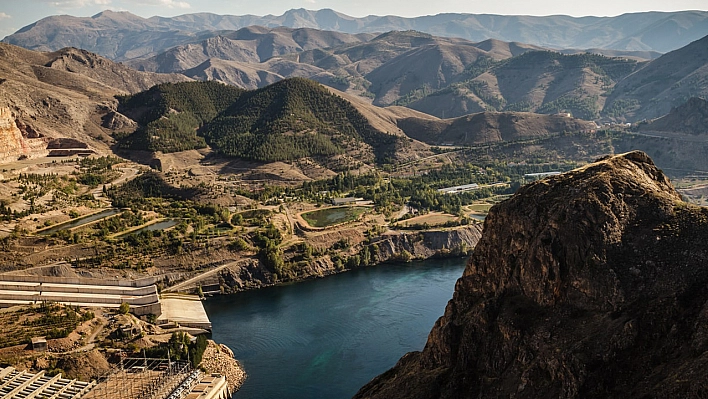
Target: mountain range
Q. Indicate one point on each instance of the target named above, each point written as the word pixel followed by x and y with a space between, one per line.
pixel 435 90
pixel 447 77
pixel 443 76
pixel 105 106
pixel 122 36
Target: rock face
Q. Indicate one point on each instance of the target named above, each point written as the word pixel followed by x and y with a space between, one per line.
pixel 16 143
pixel 591 284
pixel 251 274
pixel 427 244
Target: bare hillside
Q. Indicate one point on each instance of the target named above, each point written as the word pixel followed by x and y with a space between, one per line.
pixel 67 93
pixel 491 127
pixel 666 82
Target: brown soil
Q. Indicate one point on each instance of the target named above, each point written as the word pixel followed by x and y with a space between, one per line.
pixel 432 219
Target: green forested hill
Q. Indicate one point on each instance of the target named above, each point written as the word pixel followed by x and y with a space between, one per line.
pixel 170 114
pixel 291 119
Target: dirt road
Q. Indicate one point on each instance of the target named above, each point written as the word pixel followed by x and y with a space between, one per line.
pixel 202 276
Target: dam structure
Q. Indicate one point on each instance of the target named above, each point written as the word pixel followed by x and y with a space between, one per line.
pixel 142 296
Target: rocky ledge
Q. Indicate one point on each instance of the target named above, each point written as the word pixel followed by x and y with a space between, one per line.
pixel 218 358
pixel 391 246
pixel 591 284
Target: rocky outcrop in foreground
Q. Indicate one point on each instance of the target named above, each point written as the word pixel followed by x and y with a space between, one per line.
pixel 591 284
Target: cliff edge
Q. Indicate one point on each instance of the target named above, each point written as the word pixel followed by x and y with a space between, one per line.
pixel 14 143
pixel 591 284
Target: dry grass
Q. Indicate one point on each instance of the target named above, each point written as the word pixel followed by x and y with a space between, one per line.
pixel 432 219
pixel 480 207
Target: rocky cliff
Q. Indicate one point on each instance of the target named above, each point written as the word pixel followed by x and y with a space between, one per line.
pixel 65 94
pixel 251 274
pixel 426 244
pixel 591 284
pixel 16 143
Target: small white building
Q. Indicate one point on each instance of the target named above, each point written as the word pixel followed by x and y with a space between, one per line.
pixel 459 189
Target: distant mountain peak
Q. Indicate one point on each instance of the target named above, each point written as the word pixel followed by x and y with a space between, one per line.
pixel 111 13
pixel 634 31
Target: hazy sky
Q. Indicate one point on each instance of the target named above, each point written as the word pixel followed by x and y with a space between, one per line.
pixel 15 14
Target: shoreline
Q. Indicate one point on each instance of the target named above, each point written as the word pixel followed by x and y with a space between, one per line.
pixel 219 358
pixel 402 246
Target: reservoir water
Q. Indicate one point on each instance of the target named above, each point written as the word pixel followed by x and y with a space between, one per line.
pixel 326 338
pixel 80 221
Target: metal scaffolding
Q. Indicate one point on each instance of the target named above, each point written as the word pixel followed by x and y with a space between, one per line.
pixel 144 378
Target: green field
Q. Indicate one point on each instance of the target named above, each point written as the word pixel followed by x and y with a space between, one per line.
pixel 332 216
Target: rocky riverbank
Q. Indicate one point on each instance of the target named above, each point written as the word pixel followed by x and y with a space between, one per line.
pixel 218 358
pixel 390 246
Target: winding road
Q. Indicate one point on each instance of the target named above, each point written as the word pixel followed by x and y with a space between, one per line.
pixel 128 174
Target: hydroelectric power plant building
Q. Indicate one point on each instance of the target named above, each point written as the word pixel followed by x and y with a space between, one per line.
pixel 136 378
pixel 141 295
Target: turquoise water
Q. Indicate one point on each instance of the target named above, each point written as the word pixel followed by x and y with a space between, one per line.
pixel 330 216
pixel 165 224
pixel 81 221
pixel 326 338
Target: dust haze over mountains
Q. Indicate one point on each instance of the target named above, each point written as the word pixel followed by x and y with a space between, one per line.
pixel 446 65
pixel 644 31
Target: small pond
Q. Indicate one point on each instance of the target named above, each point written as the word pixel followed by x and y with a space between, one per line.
pixel 165 224
pixel 330 216
pixel 80 221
